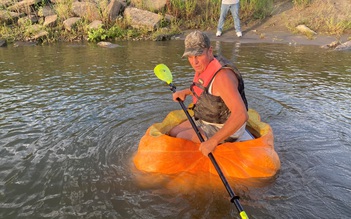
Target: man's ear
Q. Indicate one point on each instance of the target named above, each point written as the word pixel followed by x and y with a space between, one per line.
pixel 210 50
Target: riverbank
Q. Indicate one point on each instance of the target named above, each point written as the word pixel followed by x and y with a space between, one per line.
pixel 262 35
pixel 280 27
pixel 259 35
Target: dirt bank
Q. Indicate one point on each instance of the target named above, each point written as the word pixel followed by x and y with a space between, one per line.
pixel 272 36
pixel 275 29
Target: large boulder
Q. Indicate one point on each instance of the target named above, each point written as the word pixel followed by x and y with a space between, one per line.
pixel 23 6
pixel 6 3
pixel 142 19
pixel 152 5
pixel 86 10
pixel 9 16
pixel 114 8
pixel 29 19
pixel 46 11
pixel 95 24
pixel 40 34
pixel 50 20
pixel 70 23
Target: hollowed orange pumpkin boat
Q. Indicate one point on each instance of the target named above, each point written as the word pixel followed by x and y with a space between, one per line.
pixel 161 153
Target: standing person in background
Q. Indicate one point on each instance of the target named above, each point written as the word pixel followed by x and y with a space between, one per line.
pixel 233 6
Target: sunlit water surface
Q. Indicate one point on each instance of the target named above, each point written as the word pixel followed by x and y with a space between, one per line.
pixel 72 115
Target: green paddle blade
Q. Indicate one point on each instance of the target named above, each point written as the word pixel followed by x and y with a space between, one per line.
pixel 163 73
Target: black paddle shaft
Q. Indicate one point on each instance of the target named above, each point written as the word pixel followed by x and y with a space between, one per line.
pixel 233 198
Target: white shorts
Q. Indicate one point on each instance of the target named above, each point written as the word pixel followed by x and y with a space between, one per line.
pixel 211 128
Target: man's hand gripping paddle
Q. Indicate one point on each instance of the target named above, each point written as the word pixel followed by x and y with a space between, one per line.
pixel 163 73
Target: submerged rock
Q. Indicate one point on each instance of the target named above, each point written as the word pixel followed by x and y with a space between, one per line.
pixel 3 43
pixel 344 46
pixel 331 45
pixel 107 45
pixel 22 43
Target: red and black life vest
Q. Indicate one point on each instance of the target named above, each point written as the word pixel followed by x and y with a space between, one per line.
pixel 208 107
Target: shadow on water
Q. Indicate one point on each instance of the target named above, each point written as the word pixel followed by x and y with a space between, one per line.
pixel 72 115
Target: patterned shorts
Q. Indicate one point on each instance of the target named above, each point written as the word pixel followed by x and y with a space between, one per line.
pixel 211 129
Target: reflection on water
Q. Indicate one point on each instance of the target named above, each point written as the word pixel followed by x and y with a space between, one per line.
pixel 71 117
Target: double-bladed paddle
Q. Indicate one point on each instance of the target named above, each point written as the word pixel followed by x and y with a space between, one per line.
pixel 164 74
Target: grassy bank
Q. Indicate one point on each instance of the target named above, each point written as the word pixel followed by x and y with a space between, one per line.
pixel 189 14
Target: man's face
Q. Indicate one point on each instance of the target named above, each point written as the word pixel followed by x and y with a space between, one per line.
pixel 200 62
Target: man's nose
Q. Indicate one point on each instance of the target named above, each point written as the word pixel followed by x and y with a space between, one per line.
pixel 194 59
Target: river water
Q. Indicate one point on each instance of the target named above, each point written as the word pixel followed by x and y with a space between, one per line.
pixel 71 117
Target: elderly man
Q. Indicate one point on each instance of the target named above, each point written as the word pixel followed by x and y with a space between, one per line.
pixel 220 106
